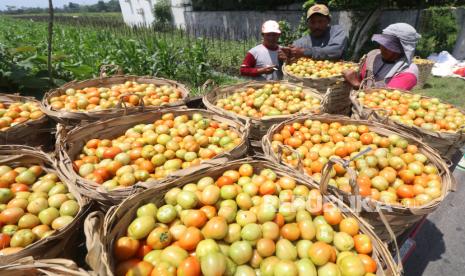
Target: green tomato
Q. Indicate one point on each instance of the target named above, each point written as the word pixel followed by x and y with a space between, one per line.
pixel 22 238
pixel 240 252
pixel 286 268
pixel 205 247
pixel 306 267
pixel 285 250
pixel 267 266
pixel 47 216
pixel 213 264
pixel 251 232
pixel 149 209
pixel 141 227
pixel 302 248
pixel 166 214
pixel 329 269
pixel 187 199
pixel 325 233
pixel 174 255
pixel 343 241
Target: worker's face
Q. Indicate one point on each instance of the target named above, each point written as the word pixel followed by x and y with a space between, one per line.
pixel 271 39
pixel 318 24
pixel 389 55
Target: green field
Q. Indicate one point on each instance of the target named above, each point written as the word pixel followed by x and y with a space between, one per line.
pixel 450 90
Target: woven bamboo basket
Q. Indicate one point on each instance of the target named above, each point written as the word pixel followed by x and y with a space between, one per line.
pixel 446 143
pixel 399 217
pixel 32 132
pixel 119 217
pixel 335 91
pixel 75 117
pixel 424 70
pixel 72 142
pixel 259 127
pixel 60 243
pixel 49 267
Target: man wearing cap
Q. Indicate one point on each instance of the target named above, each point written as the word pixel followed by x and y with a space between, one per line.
pixel 391 65
pixel 324 41
pixel 261 62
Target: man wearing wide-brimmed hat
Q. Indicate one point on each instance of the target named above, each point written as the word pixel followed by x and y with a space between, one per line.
pixel 324 41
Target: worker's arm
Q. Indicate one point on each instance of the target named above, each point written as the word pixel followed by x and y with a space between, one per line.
pixel 248 67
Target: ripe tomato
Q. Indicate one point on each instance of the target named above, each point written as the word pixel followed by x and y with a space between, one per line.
pixel 189 267
pixel 196 218
pixel 266 247
pixel 332 214
pixel 125 248
pixel 190 238
pixel 123 267
pixel 366 138
pixel 363 244
pixel 405 191
pixel 110 153
pixel 246 170
pixel 349 226
pixel 159 238
pixel 368 262
pixel 290 231
pixel 4 241
pixel 143 250
pixel 224 180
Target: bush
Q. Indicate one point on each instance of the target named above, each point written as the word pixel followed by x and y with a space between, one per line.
pixel 439 30
pixel 162 13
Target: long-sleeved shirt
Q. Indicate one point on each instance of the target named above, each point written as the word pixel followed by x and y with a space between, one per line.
pixel 329 46
pixel 258 57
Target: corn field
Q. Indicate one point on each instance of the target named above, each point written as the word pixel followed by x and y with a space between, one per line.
pixel 81 45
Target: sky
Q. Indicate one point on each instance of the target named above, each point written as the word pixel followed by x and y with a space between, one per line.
pixel 41 3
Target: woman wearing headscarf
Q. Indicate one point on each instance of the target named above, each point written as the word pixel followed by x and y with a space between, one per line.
pixel 391 65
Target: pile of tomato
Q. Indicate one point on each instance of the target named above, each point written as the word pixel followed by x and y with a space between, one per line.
pixel 244 222
pixel 413 110
pixel 33 205
pixel 17 113
pixel 152 151
pixel 100 98
pixel 309 68
pixel 269 100
pixel 393 171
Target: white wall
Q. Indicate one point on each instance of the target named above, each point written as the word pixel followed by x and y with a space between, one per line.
pixel 137 12
pixel 140 12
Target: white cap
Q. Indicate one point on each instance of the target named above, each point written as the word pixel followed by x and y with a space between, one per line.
pixel 270 26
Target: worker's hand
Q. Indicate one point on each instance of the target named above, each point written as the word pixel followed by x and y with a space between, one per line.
pixel 296 52
pixel 282 56
pixel 352 77
pixel 266 70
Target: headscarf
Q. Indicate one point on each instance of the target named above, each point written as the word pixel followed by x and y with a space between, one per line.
pixel 392 36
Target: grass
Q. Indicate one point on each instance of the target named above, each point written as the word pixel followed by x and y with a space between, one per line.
pixel 449 90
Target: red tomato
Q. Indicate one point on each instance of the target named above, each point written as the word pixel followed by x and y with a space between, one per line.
pixel 189 267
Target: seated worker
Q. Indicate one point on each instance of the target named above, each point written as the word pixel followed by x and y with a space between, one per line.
pixel 323 42
pixel 261 62
pixel 391 65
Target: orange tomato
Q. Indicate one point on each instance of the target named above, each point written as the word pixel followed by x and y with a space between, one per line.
pixel 366 138
pixel 189 267
pixel 405 191
pixel 363 244
pixel 224 180
pixel 125 248
pixel 159 238
pixel 143 250
pixel 267 188
pixel 246 170
pixel 368 263
pixel 123 267
pixel 290 231
pixel 196 218
pixel 279 219
pixel 190 238
pixel 332 214
pixel 349 226
pixel 209 211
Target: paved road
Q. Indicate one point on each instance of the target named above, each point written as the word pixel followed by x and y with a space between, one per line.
pixel 440 247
